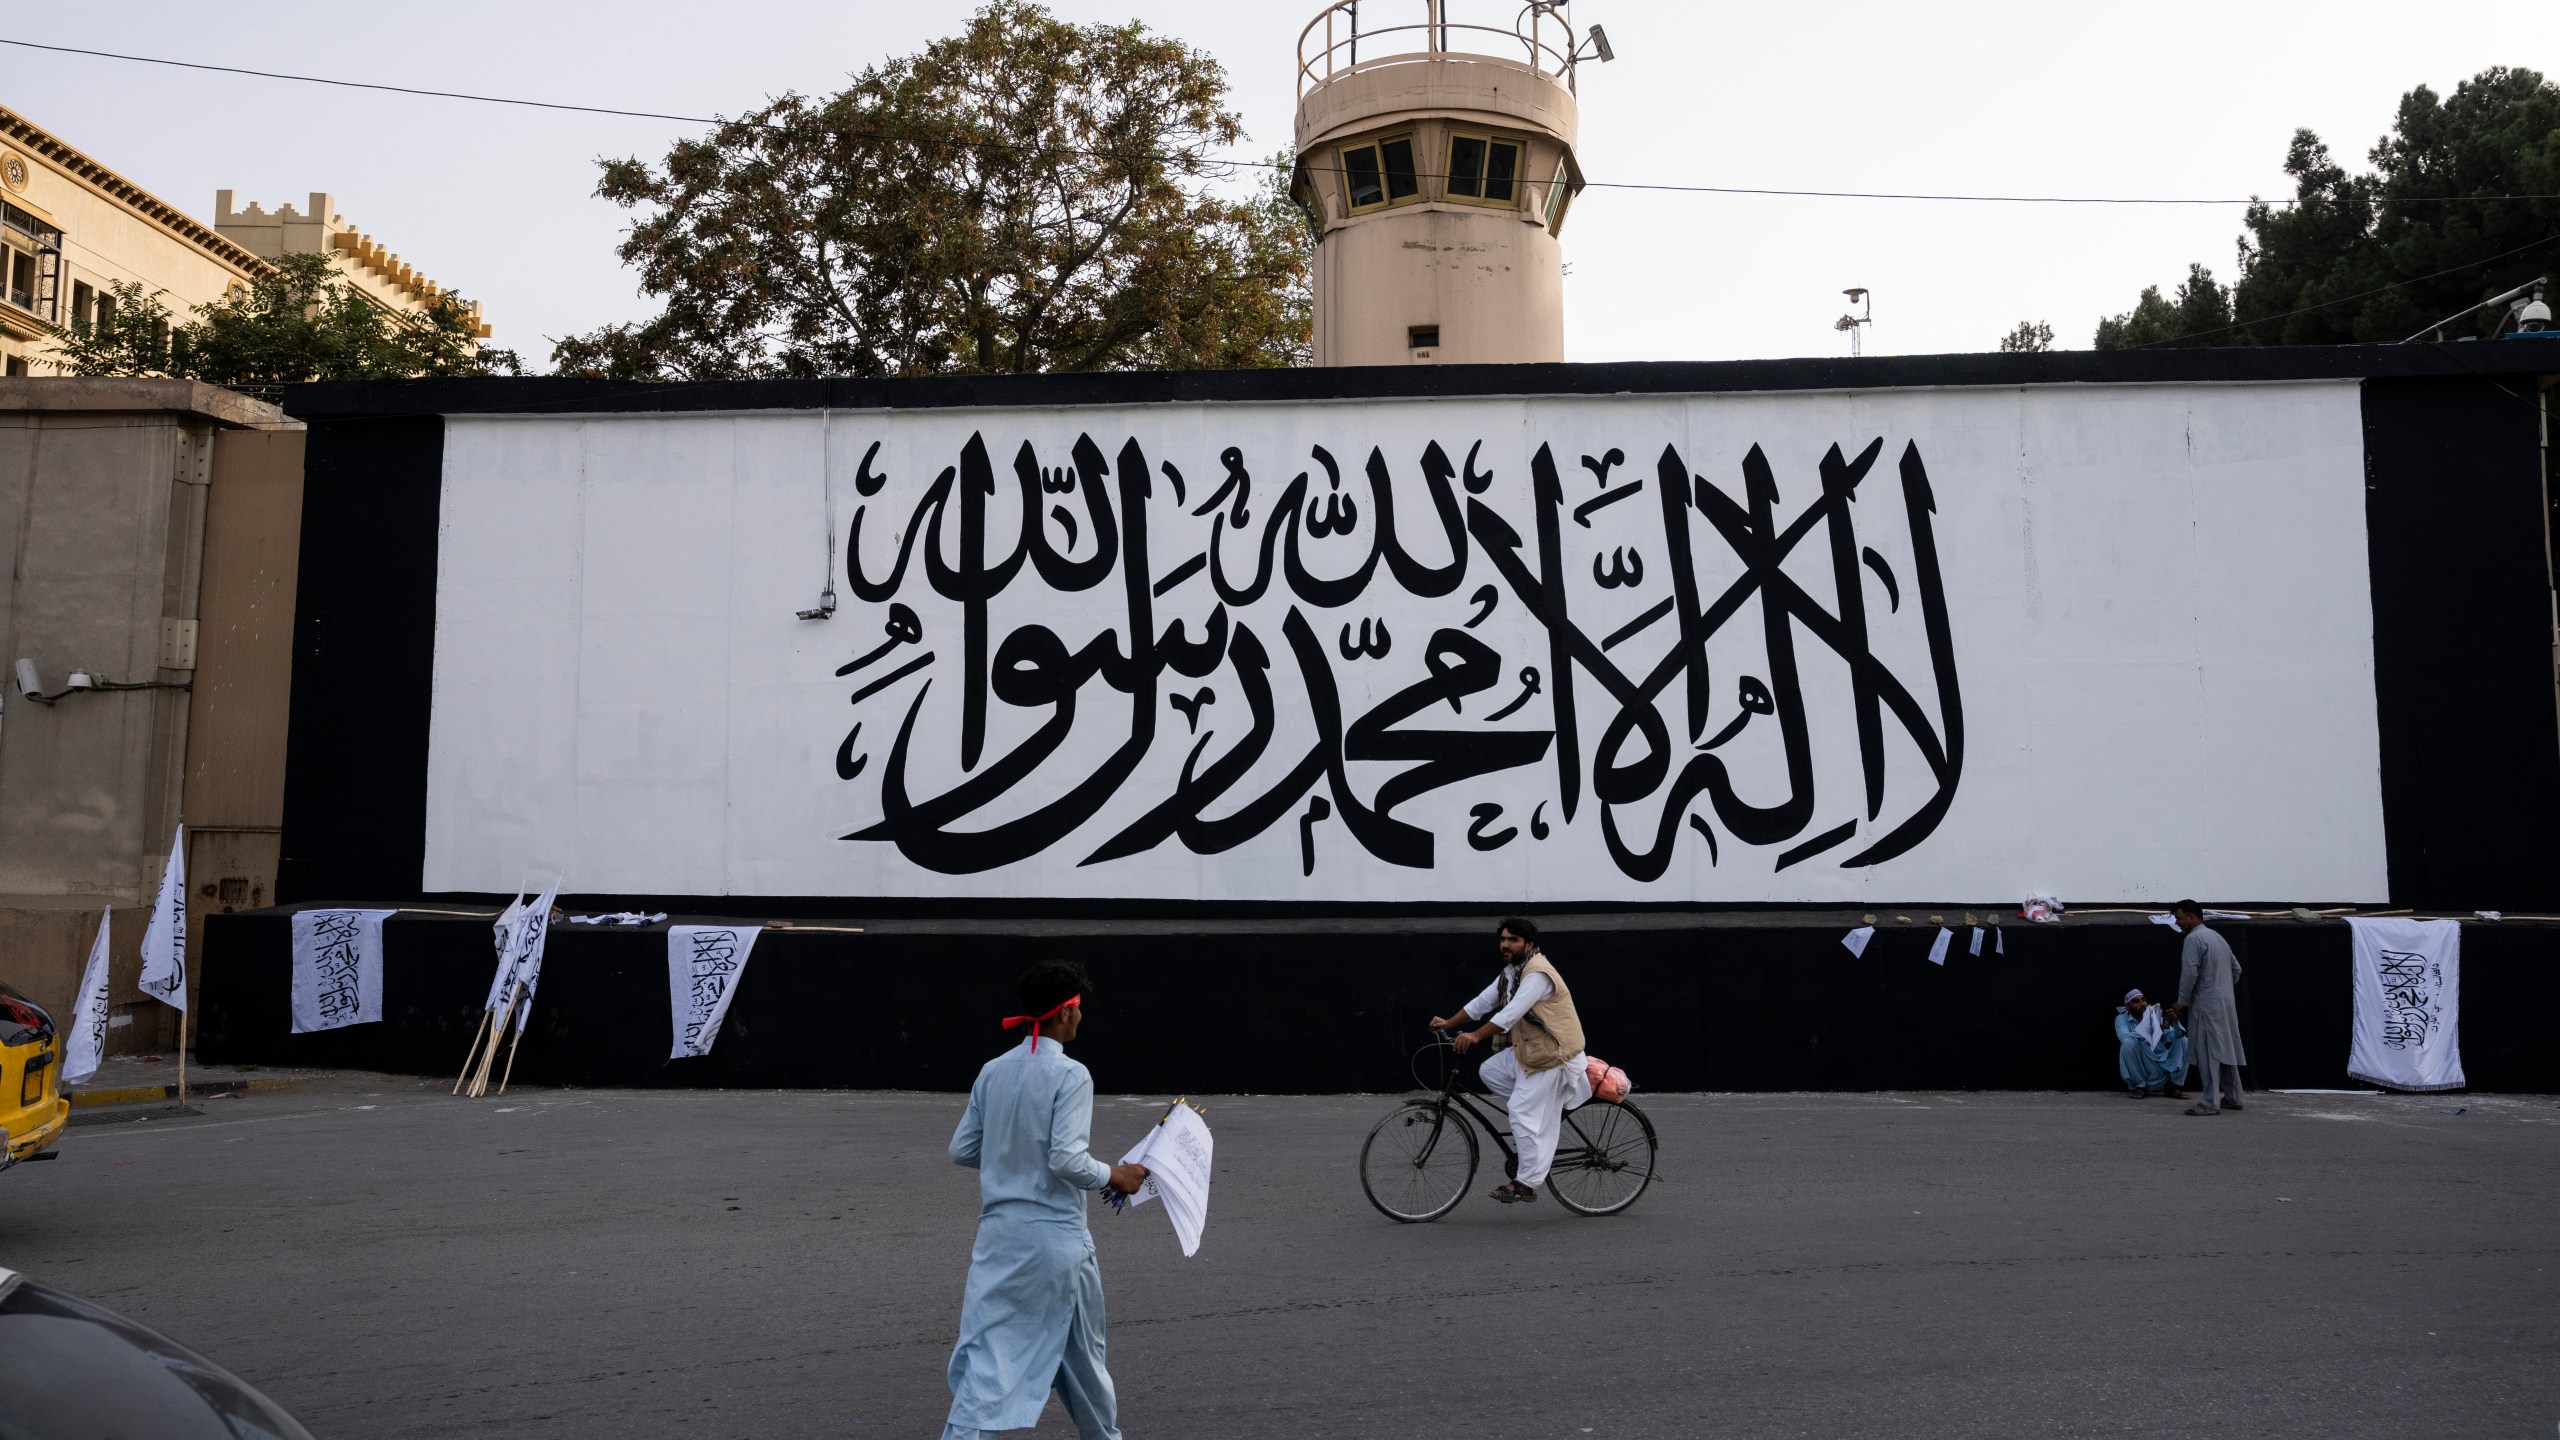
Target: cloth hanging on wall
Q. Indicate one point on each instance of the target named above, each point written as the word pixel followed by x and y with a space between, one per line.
pixel 2408 986
pixel 703 966
pixel 337 968
pixel 86 1045
pixel 164 943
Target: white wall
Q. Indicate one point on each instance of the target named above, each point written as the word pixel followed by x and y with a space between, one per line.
pixel 2155 598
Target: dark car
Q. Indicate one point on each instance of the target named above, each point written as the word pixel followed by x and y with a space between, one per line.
pixel 71 1371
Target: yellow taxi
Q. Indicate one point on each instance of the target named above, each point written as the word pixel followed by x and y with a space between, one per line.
pixel 32 1108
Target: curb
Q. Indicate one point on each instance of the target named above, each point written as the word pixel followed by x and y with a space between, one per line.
pixel 201 1089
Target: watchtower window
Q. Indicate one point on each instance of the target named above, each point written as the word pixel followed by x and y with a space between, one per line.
pixel 1422 337
pixel 1559 197
pixel 1379 174
pixel 1484 169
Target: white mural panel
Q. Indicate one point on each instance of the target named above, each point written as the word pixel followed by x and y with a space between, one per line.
pixel 2102 642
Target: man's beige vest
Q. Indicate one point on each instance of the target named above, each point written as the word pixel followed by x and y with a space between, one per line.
pixel 1550 1033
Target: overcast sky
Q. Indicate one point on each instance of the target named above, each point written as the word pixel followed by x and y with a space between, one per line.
pixel 2162 99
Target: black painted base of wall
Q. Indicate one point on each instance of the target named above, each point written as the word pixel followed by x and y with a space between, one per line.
pixel 1781 1006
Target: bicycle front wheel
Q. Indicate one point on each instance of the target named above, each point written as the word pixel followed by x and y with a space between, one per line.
pixel 1604 1158
pixel 1417 1163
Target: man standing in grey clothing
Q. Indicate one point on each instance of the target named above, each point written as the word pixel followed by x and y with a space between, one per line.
pixel 2209 1008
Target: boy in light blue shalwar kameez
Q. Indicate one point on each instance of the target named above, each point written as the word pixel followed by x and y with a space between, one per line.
pixel 2151 1057
pixel 1032 1320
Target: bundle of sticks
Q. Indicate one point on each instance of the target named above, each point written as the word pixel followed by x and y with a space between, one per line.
pixel 474 1079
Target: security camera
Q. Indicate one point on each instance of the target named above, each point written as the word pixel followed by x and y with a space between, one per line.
pixel 29 683
pixel 1600 45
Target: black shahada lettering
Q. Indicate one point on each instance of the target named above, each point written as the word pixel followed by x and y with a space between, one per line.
pixel 1718 660
pixel 2409 987
pixel 337 943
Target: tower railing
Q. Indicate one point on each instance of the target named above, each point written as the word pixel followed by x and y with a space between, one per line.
pixel 1336 44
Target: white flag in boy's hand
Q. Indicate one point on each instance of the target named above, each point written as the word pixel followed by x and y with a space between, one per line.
pixel 1177 1152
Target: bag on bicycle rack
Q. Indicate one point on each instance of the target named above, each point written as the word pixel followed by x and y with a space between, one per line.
pixel 1608 1082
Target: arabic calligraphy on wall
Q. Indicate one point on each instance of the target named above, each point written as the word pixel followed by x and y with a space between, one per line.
pixel 1532 650
pixel 1312 636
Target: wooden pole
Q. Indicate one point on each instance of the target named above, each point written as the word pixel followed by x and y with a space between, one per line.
pixel 513 1046
pixel 481 1053
pixel 489 1055
pixel 468 1054
pixel 182 1045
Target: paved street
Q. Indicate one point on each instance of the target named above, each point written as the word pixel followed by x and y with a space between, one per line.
pixel 388 1261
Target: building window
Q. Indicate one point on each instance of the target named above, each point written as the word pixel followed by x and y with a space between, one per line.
pixel 17 365
pixel 1559 197
pixel 1379 174
pixel 1484 170
pixel 1422 337
pixel 30 262
pixel 84 303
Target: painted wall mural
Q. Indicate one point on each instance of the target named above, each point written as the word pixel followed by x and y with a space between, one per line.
pixel 1924 644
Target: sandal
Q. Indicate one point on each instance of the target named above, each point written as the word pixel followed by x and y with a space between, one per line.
pixel 2136 1094
pixel 2201 1110
pixel 1514 1193
pixel 2174 1093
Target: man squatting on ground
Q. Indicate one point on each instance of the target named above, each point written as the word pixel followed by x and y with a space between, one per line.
pixel 1032 1318
pixel 1537 1066
pixel 2150 1056
pixel 2209 1007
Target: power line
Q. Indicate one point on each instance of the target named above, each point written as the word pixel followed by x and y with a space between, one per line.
pixel 1242 164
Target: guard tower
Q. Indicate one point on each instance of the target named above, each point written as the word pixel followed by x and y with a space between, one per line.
pixel 1436 162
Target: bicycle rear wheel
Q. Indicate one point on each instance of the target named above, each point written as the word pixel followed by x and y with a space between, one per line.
pixel 1604 1158
pixel 1417 1163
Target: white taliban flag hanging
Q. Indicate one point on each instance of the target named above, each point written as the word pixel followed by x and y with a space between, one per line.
pixel 1177 1154
pixel 703 966
pixel 86 1045
pixel 2408 983
pixel 164 942
pixel 337 968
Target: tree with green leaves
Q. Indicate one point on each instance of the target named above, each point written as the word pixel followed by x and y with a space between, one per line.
pixel 297 320
pixel 2463 202
pixel 1027 195
pixel 2030 337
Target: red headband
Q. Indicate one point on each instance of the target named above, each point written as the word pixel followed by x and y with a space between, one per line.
pixel 1034 1020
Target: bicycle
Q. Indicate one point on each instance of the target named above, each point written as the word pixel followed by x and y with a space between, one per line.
pixel 1420 1161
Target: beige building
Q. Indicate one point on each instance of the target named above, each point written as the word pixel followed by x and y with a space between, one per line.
pixel 1436 161
pixel 70 227
pixel 155 526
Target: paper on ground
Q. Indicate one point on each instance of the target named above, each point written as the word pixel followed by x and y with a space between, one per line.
pixel 1177 1155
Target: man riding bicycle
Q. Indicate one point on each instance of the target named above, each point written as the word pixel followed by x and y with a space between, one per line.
pixel 1537 1066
